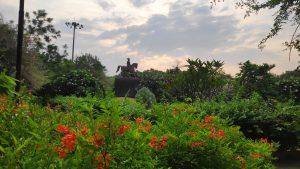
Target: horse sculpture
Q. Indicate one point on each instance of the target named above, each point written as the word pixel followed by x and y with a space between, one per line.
pixel 128 70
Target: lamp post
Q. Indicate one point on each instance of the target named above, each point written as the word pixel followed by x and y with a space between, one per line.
pixel 75 26
pixel 19 45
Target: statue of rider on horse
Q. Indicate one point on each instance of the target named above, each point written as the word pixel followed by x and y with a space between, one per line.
pixel 128 70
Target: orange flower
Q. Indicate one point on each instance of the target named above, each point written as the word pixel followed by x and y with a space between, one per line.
pixel 105 157
pixel 221 134
pixel 123 128
pixel 201 125
pixel 162 143
pixel 139 120
pixel 62 129
pixel 61 153
pixel 201 143
pixel 98 141
pixel 254 156
pixel 69 141
pixel 153 140
pixel 207 119
pixel 147 128
pixel 29 114
pixel 103 125
pixel 84 131
pixel 264 140
pixel 212 132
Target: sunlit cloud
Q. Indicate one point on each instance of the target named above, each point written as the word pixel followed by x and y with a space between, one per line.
pixel 161 34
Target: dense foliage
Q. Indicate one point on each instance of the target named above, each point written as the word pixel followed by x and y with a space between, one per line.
pixel 258 118
pixel 34 136
pixel 145 96
pixel 79 83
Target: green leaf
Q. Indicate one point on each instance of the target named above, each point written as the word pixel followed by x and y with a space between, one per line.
pixel 26 142
pixel 2 149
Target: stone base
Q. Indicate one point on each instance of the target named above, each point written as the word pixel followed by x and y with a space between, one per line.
pixel 126 86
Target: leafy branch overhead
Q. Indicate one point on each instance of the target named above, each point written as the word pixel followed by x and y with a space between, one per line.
pixel 287 11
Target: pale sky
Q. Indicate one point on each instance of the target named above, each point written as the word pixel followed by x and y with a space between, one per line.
pixel 161 34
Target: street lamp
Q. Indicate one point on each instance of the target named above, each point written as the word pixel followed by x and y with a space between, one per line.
pixel 19 45
pixel 74 25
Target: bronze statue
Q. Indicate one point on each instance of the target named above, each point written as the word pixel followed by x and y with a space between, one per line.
pixel 128 70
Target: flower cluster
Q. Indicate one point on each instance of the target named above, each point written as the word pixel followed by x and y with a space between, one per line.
pixel 68 141
pixel 103 160
pixel 123 128
pixel 99 140
pixel 218 135
pixel 157 145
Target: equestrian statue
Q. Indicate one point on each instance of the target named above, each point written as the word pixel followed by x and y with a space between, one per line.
pixel 128 70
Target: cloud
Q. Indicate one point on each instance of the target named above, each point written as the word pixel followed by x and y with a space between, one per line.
pixel 188 27
pixel 162 33
pixel 106 5
pixel 140 3
pixel 161 62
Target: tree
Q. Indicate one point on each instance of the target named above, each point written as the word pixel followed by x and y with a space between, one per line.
pixel 256 78
pixel 8 44
pixel 40 29
pixel 38 53
pixel 202 80
pixel 91 63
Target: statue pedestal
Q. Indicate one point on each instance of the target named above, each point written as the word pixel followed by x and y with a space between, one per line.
pixel 126 86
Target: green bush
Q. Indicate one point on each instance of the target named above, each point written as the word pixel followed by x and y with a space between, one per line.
pixel 202 80
pixel 7 84
pixel 158 82
pixel 289 88
pixel 145 96
pixel 79 83
pixel 39 137
pixel 258 118
pixel 256 78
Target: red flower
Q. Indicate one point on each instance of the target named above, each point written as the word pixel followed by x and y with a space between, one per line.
pixel 123 128
pixel 201 143
pixel 84 131
pixel 29 114
pixel 162 143
pixel 254 156
pixel 63 129
pixel 153 140
pixel 147 128
pixel 221 134
pixel 139 120
pixel 103 125
pixel 264 140
pixel 201 125
pixel 61 153
pixel 105 156
pixel 69 141
pixel 98 141
pixel 207 119
pixel 212 132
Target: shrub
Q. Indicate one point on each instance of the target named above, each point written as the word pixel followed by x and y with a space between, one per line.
pixel 158 82
pixel 37 137
pixel 145 96
pixel 256 78
pixel 202 80
pixel 258 118
pixel 7 84
pixel 289 88
pixel 78 83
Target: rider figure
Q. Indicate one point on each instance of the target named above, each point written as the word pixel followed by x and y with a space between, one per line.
pixel 128 62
